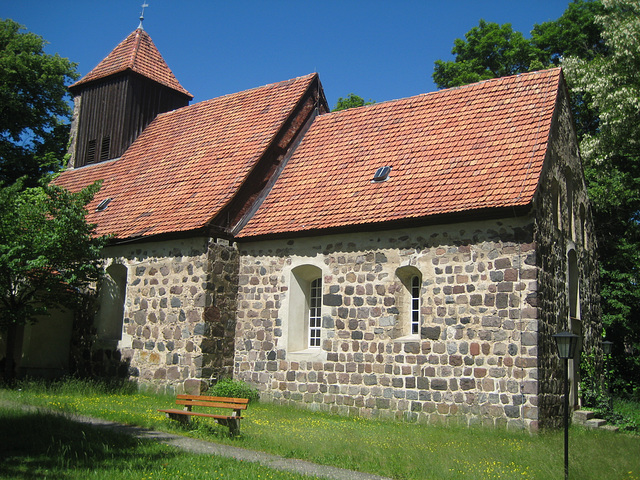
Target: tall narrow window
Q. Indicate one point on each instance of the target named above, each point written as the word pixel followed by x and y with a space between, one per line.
pixel 112 299
pixel 569 179
pixel 304 317
pixel 415 304
pixel 315 307
pixel 408 301
pixel 555 206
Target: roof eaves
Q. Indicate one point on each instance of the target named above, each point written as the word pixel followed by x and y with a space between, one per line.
pixel 485 213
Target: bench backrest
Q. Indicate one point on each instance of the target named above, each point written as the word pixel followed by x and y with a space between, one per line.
pixel 216 402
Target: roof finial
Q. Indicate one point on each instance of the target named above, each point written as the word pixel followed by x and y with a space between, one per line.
pixel 144 5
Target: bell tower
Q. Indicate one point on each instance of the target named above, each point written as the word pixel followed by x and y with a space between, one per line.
pixel 116 100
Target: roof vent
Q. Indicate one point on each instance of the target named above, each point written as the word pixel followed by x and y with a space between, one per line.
pixel 382 174
pixel 103 205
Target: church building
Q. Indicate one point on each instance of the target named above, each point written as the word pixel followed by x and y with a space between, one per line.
pixel 408 259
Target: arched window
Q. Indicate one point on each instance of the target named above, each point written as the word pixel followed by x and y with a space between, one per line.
pixel 583 230
pixel 409 302
pixel 305 309
pixel 112 299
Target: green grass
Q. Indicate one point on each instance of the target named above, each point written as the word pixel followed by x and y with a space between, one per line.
pixel 394 449
pixel 629 410
pixel 37 445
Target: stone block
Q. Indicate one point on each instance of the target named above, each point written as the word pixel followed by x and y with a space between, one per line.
pixel 438 384
pixel 194 386
pixel 431 333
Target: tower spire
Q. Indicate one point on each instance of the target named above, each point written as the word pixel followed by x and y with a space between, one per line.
pixel 144 5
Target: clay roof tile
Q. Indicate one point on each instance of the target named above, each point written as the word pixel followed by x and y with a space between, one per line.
pixel 475 147
pixel 139 54
pixel 188 163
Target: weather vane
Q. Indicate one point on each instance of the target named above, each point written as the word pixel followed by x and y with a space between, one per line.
pixel 144 5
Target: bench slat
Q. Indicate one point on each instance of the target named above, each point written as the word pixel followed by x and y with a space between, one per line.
pixel 233 406
pixel 200 414
pixel 216 399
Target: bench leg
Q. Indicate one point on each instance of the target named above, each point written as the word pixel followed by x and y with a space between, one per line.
pixel 233 424
pixel 184 419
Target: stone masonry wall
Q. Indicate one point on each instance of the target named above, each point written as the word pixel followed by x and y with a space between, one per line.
pixel 475 359
pixel 564 225
pixel 179 314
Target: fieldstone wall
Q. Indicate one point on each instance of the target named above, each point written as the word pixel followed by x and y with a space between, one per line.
pixel 475 359
pixel 179 312
pixel 564 228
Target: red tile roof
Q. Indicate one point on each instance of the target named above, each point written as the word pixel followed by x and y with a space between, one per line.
pixel 138 53
pixel 188 163
pixel 480 146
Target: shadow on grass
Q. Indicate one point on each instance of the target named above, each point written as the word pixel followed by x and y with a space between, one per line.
pixel 37 445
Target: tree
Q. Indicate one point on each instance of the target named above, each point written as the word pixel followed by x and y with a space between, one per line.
pixel 611 157
pixel 488 51
pixel 491 50
pixel 49 255
pixel 575 34
pixel 351 101
pixel 34 114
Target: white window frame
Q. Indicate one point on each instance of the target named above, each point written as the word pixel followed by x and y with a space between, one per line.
pixel 416 286
pixel 315 313
pixel 409 301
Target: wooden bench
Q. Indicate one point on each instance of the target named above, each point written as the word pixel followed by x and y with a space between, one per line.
pixel 232 421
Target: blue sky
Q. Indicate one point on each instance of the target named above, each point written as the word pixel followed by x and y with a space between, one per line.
pixel 380 50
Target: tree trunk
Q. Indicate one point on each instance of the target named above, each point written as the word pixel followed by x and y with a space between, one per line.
pixel 13 351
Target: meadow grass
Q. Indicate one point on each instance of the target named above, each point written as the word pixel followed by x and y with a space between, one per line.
pixel 394 449
pixel 36 445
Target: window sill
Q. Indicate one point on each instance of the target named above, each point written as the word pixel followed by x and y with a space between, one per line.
pixel 408 338
pixel 315 353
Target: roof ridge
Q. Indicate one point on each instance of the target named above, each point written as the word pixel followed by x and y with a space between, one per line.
pixel 202 103
pixel 295 79
pixel 135 49
pixel 444 90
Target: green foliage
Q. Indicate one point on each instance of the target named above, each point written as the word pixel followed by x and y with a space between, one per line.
pixel 351 101
pixel 228 387
pixel 49 256
pixel 595 392
pixel 611 156
pixel 34 114
pixel 491 50
pixel 488 51
pixel 47 250
pixel 79 387
pixel 574 34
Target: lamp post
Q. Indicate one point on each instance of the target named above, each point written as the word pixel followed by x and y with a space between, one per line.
pixel 566 343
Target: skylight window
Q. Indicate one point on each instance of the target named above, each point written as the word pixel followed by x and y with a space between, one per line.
pixel 103 205
pixel 382 174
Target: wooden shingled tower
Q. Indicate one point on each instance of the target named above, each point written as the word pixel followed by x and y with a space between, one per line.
pixel 116 100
